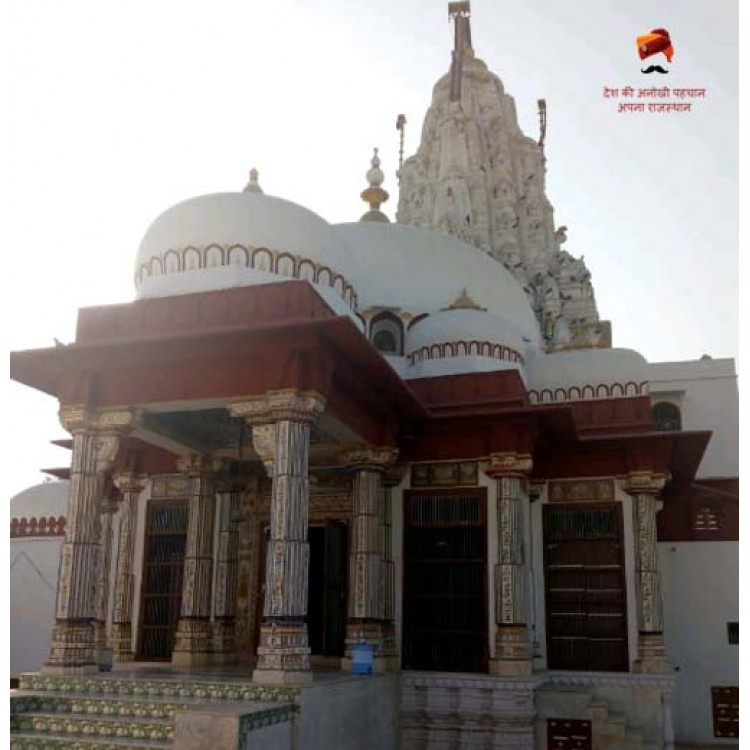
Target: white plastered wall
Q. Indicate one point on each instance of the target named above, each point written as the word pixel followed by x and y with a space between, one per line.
pixel 706 392
pixel 700 581
pixel 34 565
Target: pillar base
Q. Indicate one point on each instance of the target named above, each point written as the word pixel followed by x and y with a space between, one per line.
pixel 513 657
pixel 283 655
pixel 72 649
pixel 122 642
pixel 381 636
pixel 652 655
pixel 511 667
pixel 192 644
pixel 223 648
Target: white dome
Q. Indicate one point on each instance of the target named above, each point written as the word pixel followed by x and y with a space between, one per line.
pixel 224 240
pixel 422 271
pixel 463 340
pixel 624 368
pixel 41 501
pixel 464 325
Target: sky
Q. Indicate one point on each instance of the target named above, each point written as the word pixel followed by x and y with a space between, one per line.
pixel 118 110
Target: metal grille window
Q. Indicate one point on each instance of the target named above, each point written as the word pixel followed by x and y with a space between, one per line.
pixel 445 586
pixel 585 587
pixel 166 538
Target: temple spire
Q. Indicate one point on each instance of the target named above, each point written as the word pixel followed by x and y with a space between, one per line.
pixel 460 14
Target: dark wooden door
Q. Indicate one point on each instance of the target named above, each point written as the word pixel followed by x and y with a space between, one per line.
pixel 164 559
pixel 585 587
pixel 326 601
pixel 445 580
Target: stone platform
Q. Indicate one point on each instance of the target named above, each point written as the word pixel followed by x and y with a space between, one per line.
pixel 144 707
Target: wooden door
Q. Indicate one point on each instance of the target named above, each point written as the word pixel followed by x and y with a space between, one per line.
pixel 445 580
pixel 161 587
pixel 584 581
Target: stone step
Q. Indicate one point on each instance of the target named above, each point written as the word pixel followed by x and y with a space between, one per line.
pixel 85 726
pixel 43 741
pixel 180 687
pixel 23 701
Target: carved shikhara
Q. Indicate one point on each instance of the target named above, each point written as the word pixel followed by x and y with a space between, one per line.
pixel 471 348
pixel 279 262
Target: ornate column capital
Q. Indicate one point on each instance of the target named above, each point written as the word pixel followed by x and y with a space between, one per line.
pixel 197 464
pixel 130 481
pixel 509 463
pixel 264 444
pixel 377 459
pixel 644 482
pixel 274 406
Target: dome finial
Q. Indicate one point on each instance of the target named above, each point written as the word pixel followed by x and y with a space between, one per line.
pixel 253 186
pixel 374 194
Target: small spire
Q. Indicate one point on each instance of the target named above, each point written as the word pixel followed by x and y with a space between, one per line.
pixel 253 186
pixel 374 194
pixel 464 302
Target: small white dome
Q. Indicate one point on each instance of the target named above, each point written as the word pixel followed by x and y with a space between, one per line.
pixel 41 501
pixel 224 240
pixel 624 368
pixel 463 340
pixel 422 271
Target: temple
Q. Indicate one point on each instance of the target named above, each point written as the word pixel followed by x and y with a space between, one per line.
pixel 310 449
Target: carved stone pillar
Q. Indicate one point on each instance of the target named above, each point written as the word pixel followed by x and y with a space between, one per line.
pixel 643 487
pixel 192 646
pixel 130 485
pixel 96 439
pixel 513 655
pixel 107 508
pixel 225 582
pixel 367 601
pixel 281 434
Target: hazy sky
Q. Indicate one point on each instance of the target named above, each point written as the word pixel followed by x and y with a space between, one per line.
pixel 117 110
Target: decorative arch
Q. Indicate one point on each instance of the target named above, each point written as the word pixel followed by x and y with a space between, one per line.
pixel 155 266
pixel 172 262
pixel 192 258
pixel 285 265
pixel 214 256
pixel 387 333
pixel 262 260
pixel 237 255
pixel 666 417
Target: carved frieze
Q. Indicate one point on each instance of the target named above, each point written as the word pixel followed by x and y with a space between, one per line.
pixel 582 490
pixel 445 474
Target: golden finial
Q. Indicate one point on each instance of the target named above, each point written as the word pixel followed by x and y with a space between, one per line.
pixel 374 194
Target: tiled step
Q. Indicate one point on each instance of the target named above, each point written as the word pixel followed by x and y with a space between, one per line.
pixel 36 741
pixel 83 703
pixel 85 725
pixel 148 688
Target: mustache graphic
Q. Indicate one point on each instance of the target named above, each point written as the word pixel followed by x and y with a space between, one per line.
pixel 654 69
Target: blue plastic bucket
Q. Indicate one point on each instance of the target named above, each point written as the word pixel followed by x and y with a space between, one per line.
pixel 362 658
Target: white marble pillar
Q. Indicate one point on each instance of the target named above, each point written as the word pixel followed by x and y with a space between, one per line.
pixel 192 645
pixel 96 439
pixel 108 507
pixel 281 435
pixel 513 654
pixel 367 598
pixel 130 485
pixel 643 487
pixel 225 582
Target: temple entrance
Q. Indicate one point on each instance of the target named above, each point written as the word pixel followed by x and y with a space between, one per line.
pixel 445 580
pixel 326 599
pixel 164 559
pixel 585 587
